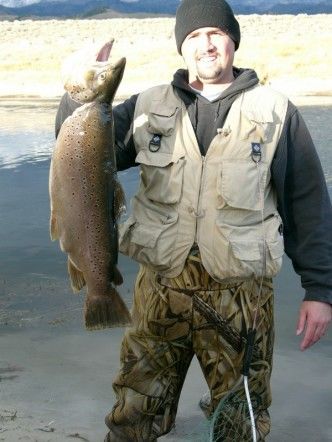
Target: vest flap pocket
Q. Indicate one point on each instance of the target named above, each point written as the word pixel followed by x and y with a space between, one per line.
pixel 158 159
pixel 261 112
pixel 250 251
pixel 259 116
pixel 246 250
pixel 238 183
pixel 146 236
pixel 238 251
pixel 258 125
pixel 276 249
pixel 151 241
pixel 160 108
pixel 161 176
pixel 161 119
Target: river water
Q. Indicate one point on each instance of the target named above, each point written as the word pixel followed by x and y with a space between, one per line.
pixel 41 328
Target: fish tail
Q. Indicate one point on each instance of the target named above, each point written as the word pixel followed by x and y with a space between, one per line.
pixel 106 311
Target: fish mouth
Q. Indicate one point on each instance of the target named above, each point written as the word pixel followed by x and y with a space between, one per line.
pixel 106 77
pixel 105 51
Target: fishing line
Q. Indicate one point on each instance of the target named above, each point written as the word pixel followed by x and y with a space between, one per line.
pixel 229 421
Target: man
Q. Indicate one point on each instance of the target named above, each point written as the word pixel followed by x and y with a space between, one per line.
pixel 228 175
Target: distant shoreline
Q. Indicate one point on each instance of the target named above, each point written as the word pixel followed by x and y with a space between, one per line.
pixel 34 100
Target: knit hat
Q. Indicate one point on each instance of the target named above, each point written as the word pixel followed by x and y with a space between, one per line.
pixel 195 14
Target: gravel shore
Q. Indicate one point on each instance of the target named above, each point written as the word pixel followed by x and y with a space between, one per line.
pixel 292 53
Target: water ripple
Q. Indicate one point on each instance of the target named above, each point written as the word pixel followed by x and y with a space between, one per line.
pixel 23 148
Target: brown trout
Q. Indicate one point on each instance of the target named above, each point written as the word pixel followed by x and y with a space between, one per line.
pixel 86 197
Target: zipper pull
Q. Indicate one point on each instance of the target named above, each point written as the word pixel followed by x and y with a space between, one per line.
pixel 224 131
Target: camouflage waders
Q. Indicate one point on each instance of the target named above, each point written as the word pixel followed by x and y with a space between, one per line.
pixel 167 332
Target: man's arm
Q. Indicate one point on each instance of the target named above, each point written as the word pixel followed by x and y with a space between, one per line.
pixel 66 108
pixel 123 127
pixel 305 207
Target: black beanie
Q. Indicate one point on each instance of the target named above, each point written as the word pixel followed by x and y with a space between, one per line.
pixel 195 14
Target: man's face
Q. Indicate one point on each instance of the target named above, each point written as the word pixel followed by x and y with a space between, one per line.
pixel 209 54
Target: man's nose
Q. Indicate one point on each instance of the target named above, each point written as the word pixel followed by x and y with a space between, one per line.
pixel 205 42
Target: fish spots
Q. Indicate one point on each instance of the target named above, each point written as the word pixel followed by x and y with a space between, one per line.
pixel 84 196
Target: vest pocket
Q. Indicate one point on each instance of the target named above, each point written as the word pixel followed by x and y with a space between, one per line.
pixel 149 243
pixel 161 120
pixel 239 250
pixel 156 131
pixel 161 176
pixel 238 184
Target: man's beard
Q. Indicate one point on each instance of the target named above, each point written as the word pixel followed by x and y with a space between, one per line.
pixel 209 74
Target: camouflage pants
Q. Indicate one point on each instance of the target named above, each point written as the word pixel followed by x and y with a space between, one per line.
pixel 167 332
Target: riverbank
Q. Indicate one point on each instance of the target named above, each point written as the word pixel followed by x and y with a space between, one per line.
pixel 291 53
pixel 35 100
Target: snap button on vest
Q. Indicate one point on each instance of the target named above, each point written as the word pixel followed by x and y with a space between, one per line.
pixel 224 131
pixel 196 214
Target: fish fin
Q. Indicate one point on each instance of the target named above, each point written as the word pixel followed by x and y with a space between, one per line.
pixel 106 311
pixel 54 232
pixel 119 200
pixel 76 276
pixel 117 277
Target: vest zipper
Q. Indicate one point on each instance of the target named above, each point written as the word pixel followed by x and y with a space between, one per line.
pixel 200 212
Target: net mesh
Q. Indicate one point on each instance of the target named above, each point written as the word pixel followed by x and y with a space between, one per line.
pixel 231 419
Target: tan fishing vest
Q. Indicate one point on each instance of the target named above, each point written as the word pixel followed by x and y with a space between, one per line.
pixel 214 201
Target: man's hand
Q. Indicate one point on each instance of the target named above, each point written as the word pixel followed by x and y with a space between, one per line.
pixel 314 318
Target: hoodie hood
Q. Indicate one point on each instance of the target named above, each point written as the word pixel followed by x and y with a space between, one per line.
pixel 208 116
pixel 244 79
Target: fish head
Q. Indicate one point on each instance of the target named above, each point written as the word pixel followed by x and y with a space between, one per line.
pixel 106 82
pixel 100 80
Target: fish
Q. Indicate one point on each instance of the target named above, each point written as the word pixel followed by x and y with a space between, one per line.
pixel 86 198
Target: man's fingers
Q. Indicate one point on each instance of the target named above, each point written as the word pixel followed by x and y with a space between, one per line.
pixel 308 338
pixel 313 334
pixel 320 331
pixel 301 323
